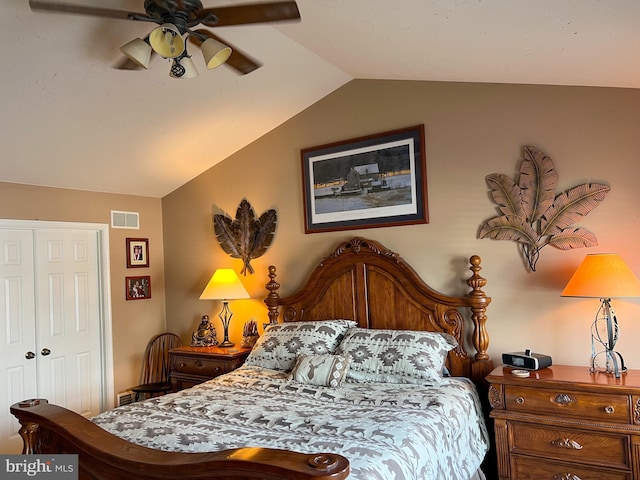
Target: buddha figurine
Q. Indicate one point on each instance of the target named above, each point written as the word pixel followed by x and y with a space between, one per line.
pixel 205 335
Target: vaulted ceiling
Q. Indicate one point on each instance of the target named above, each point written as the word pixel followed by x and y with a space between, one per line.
pixel 69 118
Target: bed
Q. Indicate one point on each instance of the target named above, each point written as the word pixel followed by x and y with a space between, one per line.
pixel 320 396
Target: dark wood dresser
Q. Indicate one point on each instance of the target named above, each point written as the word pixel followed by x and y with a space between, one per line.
pixel 193 365
pixel 565 423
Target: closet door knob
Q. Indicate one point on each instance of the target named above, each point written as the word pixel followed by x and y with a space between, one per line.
pixel 29 355
pixel 45 352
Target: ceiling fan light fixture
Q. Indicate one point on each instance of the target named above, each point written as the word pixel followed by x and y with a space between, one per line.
pixel 214 52
pixel 183 68
pixel 167 41
pixel 176 21
pixel 138 51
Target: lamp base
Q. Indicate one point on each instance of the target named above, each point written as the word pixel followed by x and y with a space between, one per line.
pixel 609 362
pixel 604 332
pixel 225 317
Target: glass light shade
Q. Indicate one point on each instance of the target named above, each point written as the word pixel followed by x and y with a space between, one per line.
pixel 224 285
pixel 603 275
pixel 167 41
pixel 214 53
pixel 189 69
pixel 138 51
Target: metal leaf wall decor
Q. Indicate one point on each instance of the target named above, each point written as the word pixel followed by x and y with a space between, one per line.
pixel 533 215
pixel 246 237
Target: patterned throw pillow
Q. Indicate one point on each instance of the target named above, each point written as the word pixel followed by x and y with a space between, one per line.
pixel 322 370
pixel 395 356
pixel 280 344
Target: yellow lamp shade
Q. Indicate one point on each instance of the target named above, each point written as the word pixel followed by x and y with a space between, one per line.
pixel 138 51
pixel 224 285
pixel 185 68
pixel 603 275
pixel 214 52
pixel 167 41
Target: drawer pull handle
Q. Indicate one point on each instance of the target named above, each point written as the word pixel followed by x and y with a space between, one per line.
pixel 199 363
pixel 562 399
pixel 519 400
pixel 609 409
pixel 217 369
pixel 566 443
pixel 566 476
pixel 182 365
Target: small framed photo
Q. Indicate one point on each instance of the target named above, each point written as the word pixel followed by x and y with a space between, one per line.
pixel 374 181
pixel 137 252
pixel 138 288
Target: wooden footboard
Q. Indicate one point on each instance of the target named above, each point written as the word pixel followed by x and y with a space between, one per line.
pixel 49 428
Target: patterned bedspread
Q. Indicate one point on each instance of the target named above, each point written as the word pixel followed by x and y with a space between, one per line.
pixel 387 431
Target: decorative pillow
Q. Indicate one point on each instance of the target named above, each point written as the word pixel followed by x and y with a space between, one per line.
pixel 280 344
pixel 395 356
pixel 322 370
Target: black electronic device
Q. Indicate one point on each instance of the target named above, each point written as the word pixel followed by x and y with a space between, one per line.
pixel 527 360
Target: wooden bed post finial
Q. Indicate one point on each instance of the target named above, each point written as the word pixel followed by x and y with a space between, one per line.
pixel 272 297
pixel 482 364
pixel 476 282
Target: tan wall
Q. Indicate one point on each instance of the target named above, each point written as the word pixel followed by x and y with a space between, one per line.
pixel 133 322
pixel 471 130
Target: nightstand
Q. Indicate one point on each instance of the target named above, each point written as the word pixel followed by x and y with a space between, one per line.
pixel 192 365
pixel 565 423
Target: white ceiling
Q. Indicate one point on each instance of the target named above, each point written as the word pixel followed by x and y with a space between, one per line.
pixel 69 119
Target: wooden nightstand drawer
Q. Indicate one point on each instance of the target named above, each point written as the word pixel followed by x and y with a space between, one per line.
pixel 192 365
pixel 598 407
pixel 570 444
pixel 566 423
pixel 202 366
pixel 528 468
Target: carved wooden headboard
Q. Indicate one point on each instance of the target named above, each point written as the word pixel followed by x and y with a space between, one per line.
pixel 364 281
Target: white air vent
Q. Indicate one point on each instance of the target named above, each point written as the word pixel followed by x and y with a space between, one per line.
pixel 125 398
pixel 125 219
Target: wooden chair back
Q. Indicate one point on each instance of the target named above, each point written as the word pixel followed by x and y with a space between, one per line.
pixel 155 366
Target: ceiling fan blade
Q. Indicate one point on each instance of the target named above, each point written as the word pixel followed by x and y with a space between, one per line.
pixel 250 13
pixel 81 9
pixel 238 60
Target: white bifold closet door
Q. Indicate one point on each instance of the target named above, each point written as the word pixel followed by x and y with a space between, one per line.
pixel 51 323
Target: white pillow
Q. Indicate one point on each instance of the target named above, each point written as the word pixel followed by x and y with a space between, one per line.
pixel 280 344
pixel 321 370
pixel 395 356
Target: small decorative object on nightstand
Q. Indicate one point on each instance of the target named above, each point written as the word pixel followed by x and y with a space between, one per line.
pixel 249 333
pixel 205 335
pixel 566 423
pixel 192 365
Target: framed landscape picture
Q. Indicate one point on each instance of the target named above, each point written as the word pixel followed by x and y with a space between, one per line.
pixel 374 181
pixel 138 288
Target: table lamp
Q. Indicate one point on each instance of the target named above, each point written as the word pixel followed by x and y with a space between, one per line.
pixel 224 285
pixel 604 276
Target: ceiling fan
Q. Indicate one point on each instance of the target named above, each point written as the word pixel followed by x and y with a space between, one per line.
pixel 176 20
